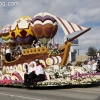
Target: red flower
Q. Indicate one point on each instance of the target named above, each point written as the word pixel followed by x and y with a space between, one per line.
pixel 8 82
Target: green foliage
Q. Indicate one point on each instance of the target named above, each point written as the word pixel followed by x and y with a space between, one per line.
pixel 91 51
pixel 56 75
pixel 54 51
pixel 75 51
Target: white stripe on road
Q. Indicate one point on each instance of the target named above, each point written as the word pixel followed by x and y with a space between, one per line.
pixel 20 96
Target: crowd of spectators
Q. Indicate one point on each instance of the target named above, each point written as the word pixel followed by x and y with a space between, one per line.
pixel 92 63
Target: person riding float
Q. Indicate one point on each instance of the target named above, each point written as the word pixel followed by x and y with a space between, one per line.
pixel 34 74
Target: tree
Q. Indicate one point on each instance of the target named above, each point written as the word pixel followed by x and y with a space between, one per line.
pixel 91 51
pixel 75 51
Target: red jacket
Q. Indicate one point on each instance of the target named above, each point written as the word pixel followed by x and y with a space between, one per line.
pixel 42 65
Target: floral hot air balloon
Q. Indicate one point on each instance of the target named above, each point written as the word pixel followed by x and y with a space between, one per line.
pixel 6 34
pixel 21 30
pixel 44 27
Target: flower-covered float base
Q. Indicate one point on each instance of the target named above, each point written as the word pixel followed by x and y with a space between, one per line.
pixel 55 76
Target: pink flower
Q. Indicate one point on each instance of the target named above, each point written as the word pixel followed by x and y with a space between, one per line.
pixel 8 82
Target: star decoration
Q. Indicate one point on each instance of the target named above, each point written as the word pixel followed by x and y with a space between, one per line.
pixel 29 31
pixel 17 31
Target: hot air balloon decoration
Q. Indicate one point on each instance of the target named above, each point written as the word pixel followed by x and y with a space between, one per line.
pixel 21 30
pixel 44 27
pixel 6 34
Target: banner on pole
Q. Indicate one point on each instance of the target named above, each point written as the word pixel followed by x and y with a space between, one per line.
pixel 74 42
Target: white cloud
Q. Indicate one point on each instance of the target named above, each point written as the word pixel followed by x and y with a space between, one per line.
pixel 90 38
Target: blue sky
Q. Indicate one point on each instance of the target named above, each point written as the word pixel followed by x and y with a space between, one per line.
pixel 85 13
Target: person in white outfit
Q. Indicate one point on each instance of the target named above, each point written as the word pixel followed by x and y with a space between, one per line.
pixel 36 74
pixel 33 44
pixel 38 44
pixel 19 46
pixel 27 73
pixel 8 53
pixel 94 66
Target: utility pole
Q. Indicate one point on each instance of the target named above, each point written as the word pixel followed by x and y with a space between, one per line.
pixel 78 51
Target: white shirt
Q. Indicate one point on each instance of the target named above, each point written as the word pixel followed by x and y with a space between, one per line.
pixel 8 50
pixel 87 67
pixel 98 54
pixel 30 69
pixel 37 46
pixel 94 66
pixel 38 70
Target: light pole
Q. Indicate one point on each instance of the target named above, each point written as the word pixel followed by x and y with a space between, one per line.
pixel 78 51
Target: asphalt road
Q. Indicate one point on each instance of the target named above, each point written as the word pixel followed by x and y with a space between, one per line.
pixel 92 93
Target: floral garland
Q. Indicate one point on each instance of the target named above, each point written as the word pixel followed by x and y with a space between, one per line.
pixel 55 51
pixel 59 77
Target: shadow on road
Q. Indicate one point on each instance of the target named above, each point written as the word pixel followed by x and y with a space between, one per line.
pixel 52 87
pixel 64 87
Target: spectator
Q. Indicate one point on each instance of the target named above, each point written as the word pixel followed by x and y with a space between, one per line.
pixel 19 50
pixel 98 66
pixel 8 53
pixel 13 54
pixel 33 44
pixel 38 44
pixel 19 46
pixel 94 66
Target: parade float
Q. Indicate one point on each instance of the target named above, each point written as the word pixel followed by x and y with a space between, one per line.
pixel 42 27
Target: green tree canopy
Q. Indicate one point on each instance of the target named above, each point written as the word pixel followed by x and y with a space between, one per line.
pixel 91 51
pixel 75 51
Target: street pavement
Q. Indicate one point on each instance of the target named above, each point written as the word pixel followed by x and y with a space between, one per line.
pixel 88 93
